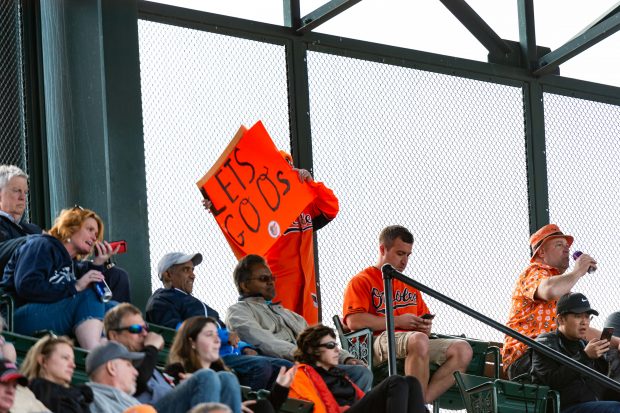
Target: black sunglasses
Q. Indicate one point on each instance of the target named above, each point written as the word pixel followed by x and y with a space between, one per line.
pixel 134 328
pixel 330 345
pixel 264 278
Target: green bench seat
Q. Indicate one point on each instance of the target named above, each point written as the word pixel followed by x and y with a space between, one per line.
pixel 359 344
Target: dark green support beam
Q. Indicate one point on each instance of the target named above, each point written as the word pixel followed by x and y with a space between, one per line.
pixel 299 123
pixel 324 13
pixel 596 33
pixel 537 183
pixel 477 27
pixel 36 141
pixel 93 113
pixel 609 13
pixel 292 13
pixel 527 33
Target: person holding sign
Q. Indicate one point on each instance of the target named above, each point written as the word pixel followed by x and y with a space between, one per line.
pixel 251 208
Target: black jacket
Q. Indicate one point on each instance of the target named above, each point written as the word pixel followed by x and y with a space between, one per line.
pixel 60 399
pixel 572 386
pixel 10 230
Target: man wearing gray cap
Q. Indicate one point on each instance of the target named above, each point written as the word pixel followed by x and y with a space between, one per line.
pixel 577 393
pixel 112 373
pixel 171 305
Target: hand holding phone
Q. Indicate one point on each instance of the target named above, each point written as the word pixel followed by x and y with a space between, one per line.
pixel 607 333
pixel 428 316
pixel 121 244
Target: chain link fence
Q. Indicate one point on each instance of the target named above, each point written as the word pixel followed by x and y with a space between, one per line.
pixel 442 155
pixel 582 165
pixel 197 89
pixel 12 135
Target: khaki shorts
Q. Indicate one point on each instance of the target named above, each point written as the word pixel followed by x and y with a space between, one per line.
pixel 437 347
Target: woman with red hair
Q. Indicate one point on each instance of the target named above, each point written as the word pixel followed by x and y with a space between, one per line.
pixel 51 288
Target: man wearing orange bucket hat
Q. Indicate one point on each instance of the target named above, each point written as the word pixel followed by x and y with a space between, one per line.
pixel 537 290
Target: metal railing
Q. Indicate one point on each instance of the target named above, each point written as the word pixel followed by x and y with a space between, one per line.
pixel 390 273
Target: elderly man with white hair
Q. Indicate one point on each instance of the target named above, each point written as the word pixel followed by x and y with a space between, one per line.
pixel 13 198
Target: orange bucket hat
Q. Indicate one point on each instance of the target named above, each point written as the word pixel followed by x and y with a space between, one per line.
pixel 543 234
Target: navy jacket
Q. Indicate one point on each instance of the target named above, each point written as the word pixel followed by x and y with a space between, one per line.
pixel 168 307
pixel 42 271
pixel 10 230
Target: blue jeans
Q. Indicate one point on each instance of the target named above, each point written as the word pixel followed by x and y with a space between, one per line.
pixel 203 386
pixel 360 375
pixel 594 407
pixel 61 317
pixel 257 372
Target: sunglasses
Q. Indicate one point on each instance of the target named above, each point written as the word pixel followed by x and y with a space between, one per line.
pixel 330 345
pixel 264 278
pixel 134 328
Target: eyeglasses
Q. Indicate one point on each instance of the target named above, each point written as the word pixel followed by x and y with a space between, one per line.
pixel 134 328
pixel 330 345
pixel 264 278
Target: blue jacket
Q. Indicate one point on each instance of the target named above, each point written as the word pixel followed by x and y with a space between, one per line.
pixel 42 271
pixel 169 307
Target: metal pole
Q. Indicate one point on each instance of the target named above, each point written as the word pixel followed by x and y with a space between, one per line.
pixel 387 271
pixel 552 354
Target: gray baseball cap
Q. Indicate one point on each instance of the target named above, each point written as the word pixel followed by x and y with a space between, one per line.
pixel 174 258
pixel 110 351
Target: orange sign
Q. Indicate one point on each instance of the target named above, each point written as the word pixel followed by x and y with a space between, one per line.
pixel 255 193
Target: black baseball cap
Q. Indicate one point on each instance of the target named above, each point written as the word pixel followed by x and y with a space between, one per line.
pixel 576 303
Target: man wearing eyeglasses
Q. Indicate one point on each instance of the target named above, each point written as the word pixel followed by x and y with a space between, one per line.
pixel 577 393
pixel 124 324
pixel 171 305
pixel 270 327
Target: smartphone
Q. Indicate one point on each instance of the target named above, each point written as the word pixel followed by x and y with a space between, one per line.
pixel 428 316
pixel 607 333
pixel 122 244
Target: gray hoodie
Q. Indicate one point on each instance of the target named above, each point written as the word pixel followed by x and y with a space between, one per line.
pixel 109 399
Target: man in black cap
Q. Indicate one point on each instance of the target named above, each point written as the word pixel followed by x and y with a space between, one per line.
pixel 577 393
pixel 10 377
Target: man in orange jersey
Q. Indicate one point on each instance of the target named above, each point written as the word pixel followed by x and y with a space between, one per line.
pixel 364 306
pixel 291 258
pixel 534 299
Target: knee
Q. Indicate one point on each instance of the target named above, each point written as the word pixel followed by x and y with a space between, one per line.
pixel 460 352
pixel 417 344
pixel 205 377
pixel 227 379
pixel 397 382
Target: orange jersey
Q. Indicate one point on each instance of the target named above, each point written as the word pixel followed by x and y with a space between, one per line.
pixel 291 258
pixel 529 316
pixel 364 294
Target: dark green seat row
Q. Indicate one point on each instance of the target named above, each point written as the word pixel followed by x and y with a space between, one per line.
pixel 359 343
pixel 290 405
pixel 24 343
pixel 168 335
pixel 486 395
